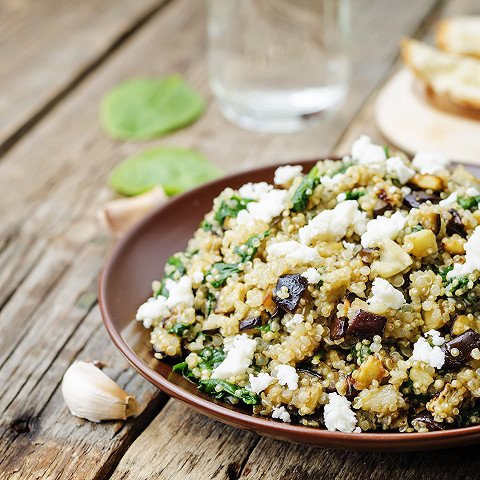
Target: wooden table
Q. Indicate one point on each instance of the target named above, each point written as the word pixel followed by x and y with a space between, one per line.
pixel 57 58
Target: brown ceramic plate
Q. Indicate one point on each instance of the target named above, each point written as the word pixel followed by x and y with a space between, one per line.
pixel 125 283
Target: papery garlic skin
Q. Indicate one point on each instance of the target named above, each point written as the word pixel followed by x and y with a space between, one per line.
pixel 91 394
pixel 120 214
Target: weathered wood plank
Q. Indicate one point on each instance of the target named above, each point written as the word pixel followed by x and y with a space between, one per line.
pixel 49 317
pixel 46 46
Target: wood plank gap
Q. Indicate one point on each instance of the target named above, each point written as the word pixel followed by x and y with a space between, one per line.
pixel 235 475
pixel 91 67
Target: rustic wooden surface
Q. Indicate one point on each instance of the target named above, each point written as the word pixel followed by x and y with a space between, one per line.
pixel 57 58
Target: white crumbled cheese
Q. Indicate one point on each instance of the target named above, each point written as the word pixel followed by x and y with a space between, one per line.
pixel 270 205
pixel 260 382
pixel 295 320
pixel 255 191
pixel 287 375
pixel 383 227
pixel 430 162
pixel 349 245
pixel 450 200
pixel 292 250
pixel 239 358
pixel 435 337
pixel 472 192
pixel 312 275
pixel 424 352
pixel 338 414
pixel 341 197
pixel 152 309
pixel 284 175
pixel 197 277
pixel 179 292
pixel 397 168
pixel 333 224
pixel 366 152
pixel 385 296
pixel 406 190
pixel 281 413
pixel 331 182
pixel 472 257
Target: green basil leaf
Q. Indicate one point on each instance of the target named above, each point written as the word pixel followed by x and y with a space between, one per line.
pixel 144 108
pixel 175 169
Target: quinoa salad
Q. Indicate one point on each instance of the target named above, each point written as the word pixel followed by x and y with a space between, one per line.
pixel 344 298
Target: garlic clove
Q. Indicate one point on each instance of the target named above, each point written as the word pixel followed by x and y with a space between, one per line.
pixel 120 214
pixel 90 394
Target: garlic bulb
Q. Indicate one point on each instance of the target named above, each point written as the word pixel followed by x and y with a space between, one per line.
pixel 90 394
pixel 120 214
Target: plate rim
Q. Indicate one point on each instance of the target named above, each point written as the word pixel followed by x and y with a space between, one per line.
pixel 249 421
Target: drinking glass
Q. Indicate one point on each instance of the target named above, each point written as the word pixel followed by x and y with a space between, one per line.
pixel 278 65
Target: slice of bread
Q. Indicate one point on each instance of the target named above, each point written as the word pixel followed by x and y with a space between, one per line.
pixel 447 75
pixel 460 35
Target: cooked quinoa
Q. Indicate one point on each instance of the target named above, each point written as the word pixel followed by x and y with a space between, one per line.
pixel 343 298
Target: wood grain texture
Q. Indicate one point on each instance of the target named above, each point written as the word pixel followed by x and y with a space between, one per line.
pixel 51 249
pixel 45 47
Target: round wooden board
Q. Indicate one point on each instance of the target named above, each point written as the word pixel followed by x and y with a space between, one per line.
pixel 410 119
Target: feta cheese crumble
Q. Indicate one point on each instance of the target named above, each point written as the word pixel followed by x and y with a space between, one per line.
pixel 270 205
pixel 383 227
pixel 338 414
pixel 366 152
pixel 255 191
pixel 281 413
pixel 284 175
pixel 397 168
pixel 333 224
pixel 472 257
pixel 424 352
pixel 430 162
pixel 292 250
pixel 472 192
pixel 179 292
pixel 238 359
pixel 312 275
pixel 151 310
pixel 260 382
pixel 287 375
pixel 385 296
pixel 450 200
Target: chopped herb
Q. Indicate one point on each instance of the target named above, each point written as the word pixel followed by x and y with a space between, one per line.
pixel 211 358
pixel 206 226
pixel 266 328
pixel 231 207
pixel 305 190
pixel 209 304
pixel 354 195
pixel 417 228
pixel 179 329
pixel 223 271
pixel 182 369
pixel 319 283
pixel 342 169
pixel 386 149
pixel 173 266
pixel 443 273
pixel 248 250
pixel 469 203
pixel 457 283
pixel 227 390
pixel 360 353
pixel 469 416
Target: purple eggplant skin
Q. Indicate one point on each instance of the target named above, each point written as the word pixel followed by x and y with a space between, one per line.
pixel 296 285
pixel 338 328
pixel 250 323
pixel 416 198
pixel 366 325
pixel 427 419
pixel 455 224
pixel 464 343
